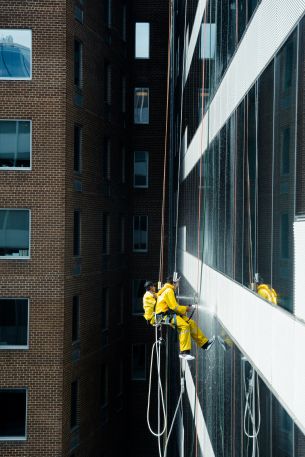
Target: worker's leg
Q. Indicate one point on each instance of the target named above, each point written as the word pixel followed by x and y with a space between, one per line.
pixel 196 333
pixel 184 333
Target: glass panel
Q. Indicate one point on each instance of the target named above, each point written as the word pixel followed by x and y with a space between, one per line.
pixel 77 148
pixel 264 180
pixel 13 413
pixel 76 233
pixel 105 234
pixel 75 318
pixel 104 386
pixel 15 143
pixel 282 431
pixel 74 404
pixel 15 54
pixel 140 233
pixel 105 308
pixel 13 322
pixel 239 194
pixel 77 64
pixel 300 166
pixel 14 233
pixel 137 296
pixel 141 106
pixel 284 171
pixel 142 40
pixel 140 169
pixel 138 362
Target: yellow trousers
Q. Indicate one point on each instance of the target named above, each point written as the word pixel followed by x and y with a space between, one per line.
pixel 187 329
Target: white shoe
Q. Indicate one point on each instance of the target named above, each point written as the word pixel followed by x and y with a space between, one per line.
pixel 186 356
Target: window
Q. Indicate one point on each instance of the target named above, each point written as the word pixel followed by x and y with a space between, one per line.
pixel 122 241
pixel 142 40
pixel 14 233
pixel 13 405
pixel 105 234
pixel 15 144
pixel 141 105
pixel 15 54
pixel 140 233
pixel 138 362
pixel 79 11
pixel 140 176
pixel 104 386
pixel 74 405
pixel 123 163
pixel 78 64
pixel 77 148
pixel 76 233
pixel 137 296
pixel 107 81
pixel 75 319
pixel 13 323
pixel 105 309
pixel 121 306
pixel 123 94
pixel 106 158
pixel 285 236
pixel 108 12
pixel 124 19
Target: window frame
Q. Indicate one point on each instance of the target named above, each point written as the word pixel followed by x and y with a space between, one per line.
pixel 135 41
pixel 20 168
pixel 147 168
pixel 79 128
pixel 18 438
pixel 134 106
pixel 28 257
pixel 133 233
pixel 76 425
pixel 18 346
pixel 5 78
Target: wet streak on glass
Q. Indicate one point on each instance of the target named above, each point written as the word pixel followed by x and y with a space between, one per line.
pixel 284 171
pixel 222 199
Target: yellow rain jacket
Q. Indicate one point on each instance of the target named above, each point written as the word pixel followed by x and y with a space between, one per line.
pixel 167 301
pixel 149 303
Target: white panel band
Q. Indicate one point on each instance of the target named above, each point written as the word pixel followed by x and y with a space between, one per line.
pixel 201 428
pixel 270 26
pixel 194 37
pixel 299 268
pixel 271 338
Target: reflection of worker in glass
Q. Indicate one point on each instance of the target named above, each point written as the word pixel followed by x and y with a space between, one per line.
pixel 149 301
pixel 167 306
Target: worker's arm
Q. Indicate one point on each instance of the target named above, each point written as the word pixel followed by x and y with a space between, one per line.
pixel 173 305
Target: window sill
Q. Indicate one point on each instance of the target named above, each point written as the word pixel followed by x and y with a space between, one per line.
pixel 15 168
pixel 14 257
pixel 9 347
pixel 13 438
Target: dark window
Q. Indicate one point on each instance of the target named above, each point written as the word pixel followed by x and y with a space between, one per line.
pixel 105 308
pixel 76 233
pixel 78 58
pixel 140 178
pixel 15 144
pixel 75 318
pixel 285 141
pixel 13 322
pixel 137 295
pixel 108 12
pixel 14 233
pixel 13 413
pixel 106 158
pixel 105 234
pixel 141 105
pixel 140 233
pixel 104 385
pixel 284 236
pixel 77 148
pixel 79 11
pixel 74 405
pixel 138 362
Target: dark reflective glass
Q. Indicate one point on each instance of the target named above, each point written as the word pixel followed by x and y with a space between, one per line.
pixel 282 431
pixel 13 322
pixel 284 171
pixel 13 413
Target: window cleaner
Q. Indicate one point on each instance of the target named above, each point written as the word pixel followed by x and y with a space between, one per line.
pixel 169 311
